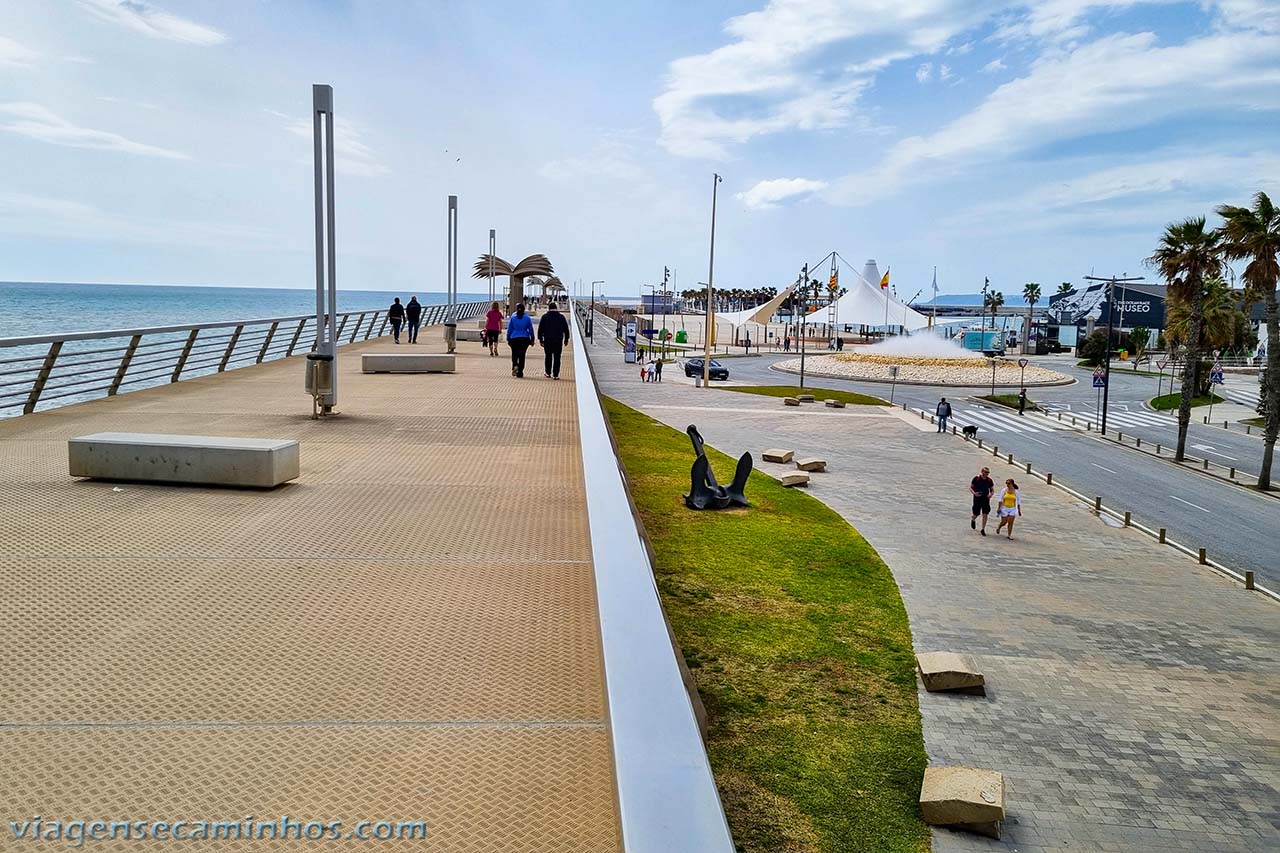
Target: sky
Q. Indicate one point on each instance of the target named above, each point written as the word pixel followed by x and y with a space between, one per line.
pixel 168 142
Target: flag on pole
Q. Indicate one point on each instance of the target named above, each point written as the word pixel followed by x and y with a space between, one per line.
pixel 935 284
pixel 884 280
pixel 833 282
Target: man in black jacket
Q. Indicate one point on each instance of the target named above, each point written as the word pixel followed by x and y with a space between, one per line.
pixel 553 334
pixel 413 316
pixel 396 315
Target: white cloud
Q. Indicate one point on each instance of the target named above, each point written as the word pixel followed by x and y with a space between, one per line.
pixel 611 158
pixel 38 122
pixel 351 156
pixel 767 79
pixel 154 22
pixel 924 72
pixel 1115 83
pixel 16 55
pixel 767 194
pixel 944 72
pixel 994 66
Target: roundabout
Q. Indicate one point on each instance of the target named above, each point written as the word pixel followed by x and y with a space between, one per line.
pixel 926 370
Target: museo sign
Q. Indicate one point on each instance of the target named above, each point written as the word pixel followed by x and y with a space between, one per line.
pixel 1133 307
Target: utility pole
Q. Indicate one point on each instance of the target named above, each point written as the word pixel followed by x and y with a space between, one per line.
pixel 591 320
pixel 711 269
pixel 666 276
pixel 1111 314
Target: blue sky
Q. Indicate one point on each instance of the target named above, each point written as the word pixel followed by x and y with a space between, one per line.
pixel 168 142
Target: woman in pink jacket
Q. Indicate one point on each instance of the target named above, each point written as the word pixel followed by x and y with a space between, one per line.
pixel 493 328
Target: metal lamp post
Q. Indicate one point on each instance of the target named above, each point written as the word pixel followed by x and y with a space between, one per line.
pixel 591 319
pixel 802 287
pixel 451 275
pixel 326 348
pixel 711 270
pixel 493 248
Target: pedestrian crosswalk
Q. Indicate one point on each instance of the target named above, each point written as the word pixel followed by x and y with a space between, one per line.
pixel 993 419
pixel 1238 394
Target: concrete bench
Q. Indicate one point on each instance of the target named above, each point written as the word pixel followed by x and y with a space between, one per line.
pixel 205 459
pixel 811 463
pixel 963 797
pixel 796 479
pixel 471 334
pixel 776 454
pixel 942 671
pixel 835 404
pixel 805 398
pixel 406 362
pixel 790 401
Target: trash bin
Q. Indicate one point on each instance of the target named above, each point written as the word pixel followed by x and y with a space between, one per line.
pixel 450 336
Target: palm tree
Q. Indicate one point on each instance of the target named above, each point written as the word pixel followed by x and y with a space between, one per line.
pixel 1218 313
pixel 1254 235
pixel 1031 293
pixel 1065 287
pixel 1186 255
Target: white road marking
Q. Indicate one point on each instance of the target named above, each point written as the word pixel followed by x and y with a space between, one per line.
pixel 1188 503
pixel 1208 448
pixel 1104 468
pixel 1037 441
pixel 788 409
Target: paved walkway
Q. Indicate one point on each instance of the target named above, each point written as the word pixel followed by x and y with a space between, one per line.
pixel 408 632
pixel 1134 698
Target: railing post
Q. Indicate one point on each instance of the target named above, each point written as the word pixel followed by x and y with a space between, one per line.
pixel 186 353
pixel 338 335
pixel 271 333
pixel 356 330
pixel 231 345
pixel 42 377
pixel 369 331
pixel 293 344
pixel 124 365
pixel 382 330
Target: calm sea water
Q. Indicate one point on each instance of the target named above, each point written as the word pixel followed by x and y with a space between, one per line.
pixel 43 308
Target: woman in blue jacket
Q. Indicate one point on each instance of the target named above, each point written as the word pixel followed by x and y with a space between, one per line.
pixel 519 338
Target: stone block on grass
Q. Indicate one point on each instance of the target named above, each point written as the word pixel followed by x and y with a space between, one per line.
pixel 774 454
pixel 943 671
pixel 796 479
pixel 963 798
pixel 805 398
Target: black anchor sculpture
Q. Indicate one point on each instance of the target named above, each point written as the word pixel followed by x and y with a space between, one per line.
pixel 704 491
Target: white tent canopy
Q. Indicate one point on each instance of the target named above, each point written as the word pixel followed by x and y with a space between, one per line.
pixel 865 304
pixel 759 314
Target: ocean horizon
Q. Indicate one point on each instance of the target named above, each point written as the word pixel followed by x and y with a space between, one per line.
pixel 43 308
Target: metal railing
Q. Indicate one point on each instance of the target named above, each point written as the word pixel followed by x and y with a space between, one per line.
pixel 77 366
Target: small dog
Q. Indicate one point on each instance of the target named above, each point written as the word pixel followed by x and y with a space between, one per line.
pixel 970 431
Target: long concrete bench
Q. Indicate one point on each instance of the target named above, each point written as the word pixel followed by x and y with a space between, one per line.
pixel 471 334
pixel 205 459
pixel 406 362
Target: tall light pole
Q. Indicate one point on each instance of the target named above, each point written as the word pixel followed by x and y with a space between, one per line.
pixel 591 319
pixel 326 255
pixel 802 284
pixel 711 271
pixel 1111 314
pixel 982 327
pixel 666 276
pixel 451 273
pixel 652 288
pixel 493 248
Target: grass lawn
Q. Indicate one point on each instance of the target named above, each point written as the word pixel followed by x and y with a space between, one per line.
pixel 1010 400
pixel 820 393
pixel 1258 422
pixel 1165 402
pixel 797 638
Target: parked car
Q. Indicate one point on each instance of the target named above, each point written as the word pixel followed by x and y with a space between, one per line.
pixel 693 367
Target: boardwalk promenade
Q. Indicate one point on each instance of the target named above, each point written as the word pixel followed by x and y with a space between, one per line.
pixel 408 632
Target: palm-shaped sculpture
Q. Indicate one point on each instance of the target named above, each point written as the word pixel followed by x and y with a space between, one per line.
pixel 1186 256
pixel 1254 235
pixel 532 265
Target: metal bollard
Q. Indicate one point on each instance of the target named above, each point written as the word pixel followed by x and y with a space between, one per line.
pixel 1059 416
pixel 930 418
pixel 1248 579
pixel 1204 559
pixel 1097 504
pixel 1010 458
pixel 1139 440
pixel 1206 464
pixel 1248 430
pixel 1048 479
pixel 1088 426
pixel 1119 435
pixel 1128 516
pixel 1224 424
pixel 1157 450
pixel 953 430
pixel 995 451
pixel 1161 540
pixel 1028 467
pixel 1232 475
pixel 979 444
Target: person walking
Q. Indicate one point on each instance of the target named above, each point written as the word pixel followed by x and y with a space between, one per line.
pixel 396 315
pixel 413 317
pixel 553 334
pixel 519 338
pixel 1022 401
pixel 493 328
pixel 981 488
pixel 942 413
pixel 786 343
pixel 1010 506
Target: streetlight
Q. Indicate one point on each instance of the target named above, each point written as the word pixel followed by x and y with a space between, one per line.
pixel 652 289
pixel 326 348
pixel 1111 313
pixel 493 248
pixel 711 269
pixel 451 274
pixel 591 319
pixel 666 276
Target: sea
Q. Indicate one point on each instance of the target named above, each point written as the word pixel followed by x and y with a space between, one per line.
pixel 46 308
pixel 29 309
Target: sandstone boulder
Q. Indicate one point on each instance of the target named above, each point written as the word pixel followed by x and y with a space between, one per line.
pixel 811 463
pixel 796 479
pixel 773 454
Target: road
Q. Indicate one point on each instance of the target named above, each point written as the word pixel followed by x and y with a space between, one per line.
pixel 1239 528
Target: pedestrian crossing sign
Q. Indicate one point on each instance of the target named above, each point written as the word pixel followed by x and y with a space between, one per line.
pixel 1099 378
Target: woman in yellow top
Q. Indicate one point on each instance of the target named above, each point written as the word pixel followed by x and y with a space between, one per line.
pixel 1010 506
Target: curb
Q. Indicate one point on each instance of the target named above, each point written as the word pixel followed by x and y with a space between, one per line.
pixel 1200 555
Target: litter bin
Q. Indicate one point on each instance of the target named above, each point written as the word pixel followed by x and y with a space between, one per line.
pixel 319 381
pixel 451 335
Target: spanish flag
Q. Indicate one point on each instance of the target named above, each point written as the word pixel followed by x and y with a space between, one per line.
pixel 884 280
